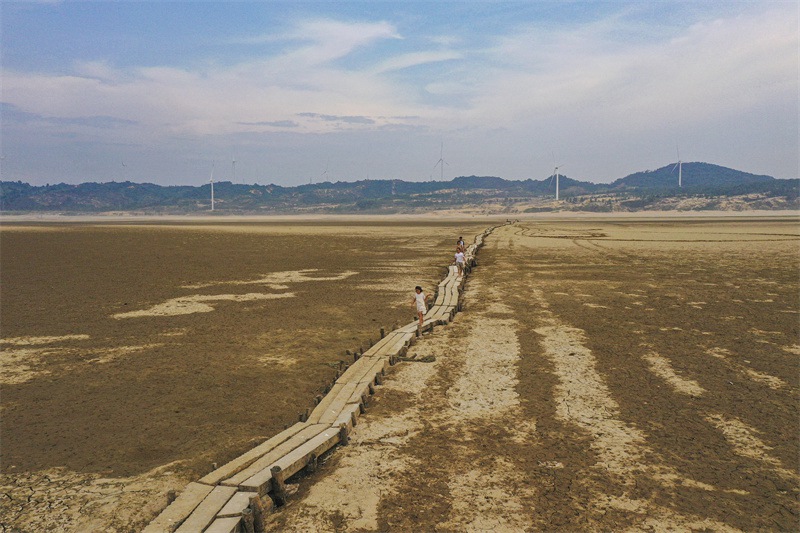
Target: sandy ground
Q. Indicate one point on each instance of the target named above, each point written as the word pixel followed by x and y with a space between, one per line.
pixel 605 375
pixel 134 355
pixel 608 373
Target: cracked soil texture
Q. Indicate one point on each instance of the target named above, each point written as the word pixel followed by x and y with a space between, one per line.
pixel 606 375
pixel 134 355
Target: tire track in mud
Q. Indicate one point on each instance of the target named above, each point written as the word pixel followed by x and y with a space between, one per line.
pixel 517 426
pixel 583 399
pixel 663 502
pixel 743 439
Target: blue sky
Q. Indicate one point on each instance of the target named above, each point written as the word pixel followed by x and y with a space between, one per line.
pixel 163 92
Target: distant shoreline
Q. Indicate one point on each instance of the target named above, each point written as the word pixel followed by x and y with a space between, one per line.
pixel 448 215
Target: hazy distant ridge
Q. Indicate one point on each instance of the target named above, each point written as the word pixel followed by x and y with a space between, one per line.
pixel 694 175
pixel 633 192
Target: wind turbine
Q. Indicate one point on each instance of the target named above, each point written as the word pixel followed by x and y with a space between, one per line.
pixel 555 172
pixel 324 175
pixel 212 186
pixel 441 162
pixel 233 164
pixel 679 164
pixel 557 176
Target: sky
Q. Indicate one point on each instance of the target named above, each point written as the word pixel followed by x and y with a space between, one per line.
pixel 292 92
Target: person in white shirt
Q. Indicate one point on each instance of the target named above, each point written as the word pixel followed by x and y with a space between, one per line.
pixel 420 303
pixel 459 261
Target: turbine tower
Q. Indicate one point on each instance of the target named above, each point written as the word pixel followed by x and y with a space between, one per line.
pixel 441 162
pixel 233 164
pixel 679 164
pixel 555 171
pixel 212 187
pixel 324 175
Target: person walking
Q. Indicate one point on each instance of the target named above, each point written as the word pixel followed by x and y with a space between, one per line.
pixel 420 304
pixel 459 260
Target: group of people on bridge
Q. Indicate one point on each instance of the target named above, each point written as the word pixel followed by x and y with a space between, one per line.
pixel 420 300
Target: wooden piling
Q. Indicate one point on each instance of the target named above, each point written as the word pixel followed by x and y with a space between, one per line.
pixel 247 521
pixel 311 466
pixel 259 514
pixel 278 486
pixel 343 437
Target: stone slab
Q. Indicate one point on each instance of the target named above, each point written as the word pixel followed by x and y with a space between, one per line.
pixel 267 460
pixel 377 346
pixel 176 512
pixel 238 503
pixel 380 366
pixel 394 348
pixel 224 525
pixel 206 512
pixel 320 409
pixel 346 416
pixel 360 391
pixel 246 459
pixel 338 403
pixel 354 371
pixel 293 461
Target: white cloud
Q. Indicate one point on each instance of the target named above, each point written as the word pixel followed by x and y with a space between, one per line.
pixel 324 40
pixel 415 59
pixel 713 69
pixel 581 83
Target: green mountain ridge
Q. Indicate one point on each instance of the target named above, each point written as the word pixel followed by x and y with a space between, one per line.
pixel 633 192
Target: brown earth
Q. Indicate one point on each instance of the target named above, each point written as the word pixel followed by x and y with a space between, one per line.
pixel 135 355
pixel 606 375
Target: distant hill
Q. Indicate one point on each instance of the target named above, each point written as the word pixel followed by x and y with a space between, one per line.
pixel 639 191
pixel 692 175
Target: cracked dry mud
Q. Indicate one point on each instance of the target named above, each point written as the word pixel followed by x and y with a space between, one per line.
pixel 134 355
pixel 668 403
pixel 625 375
